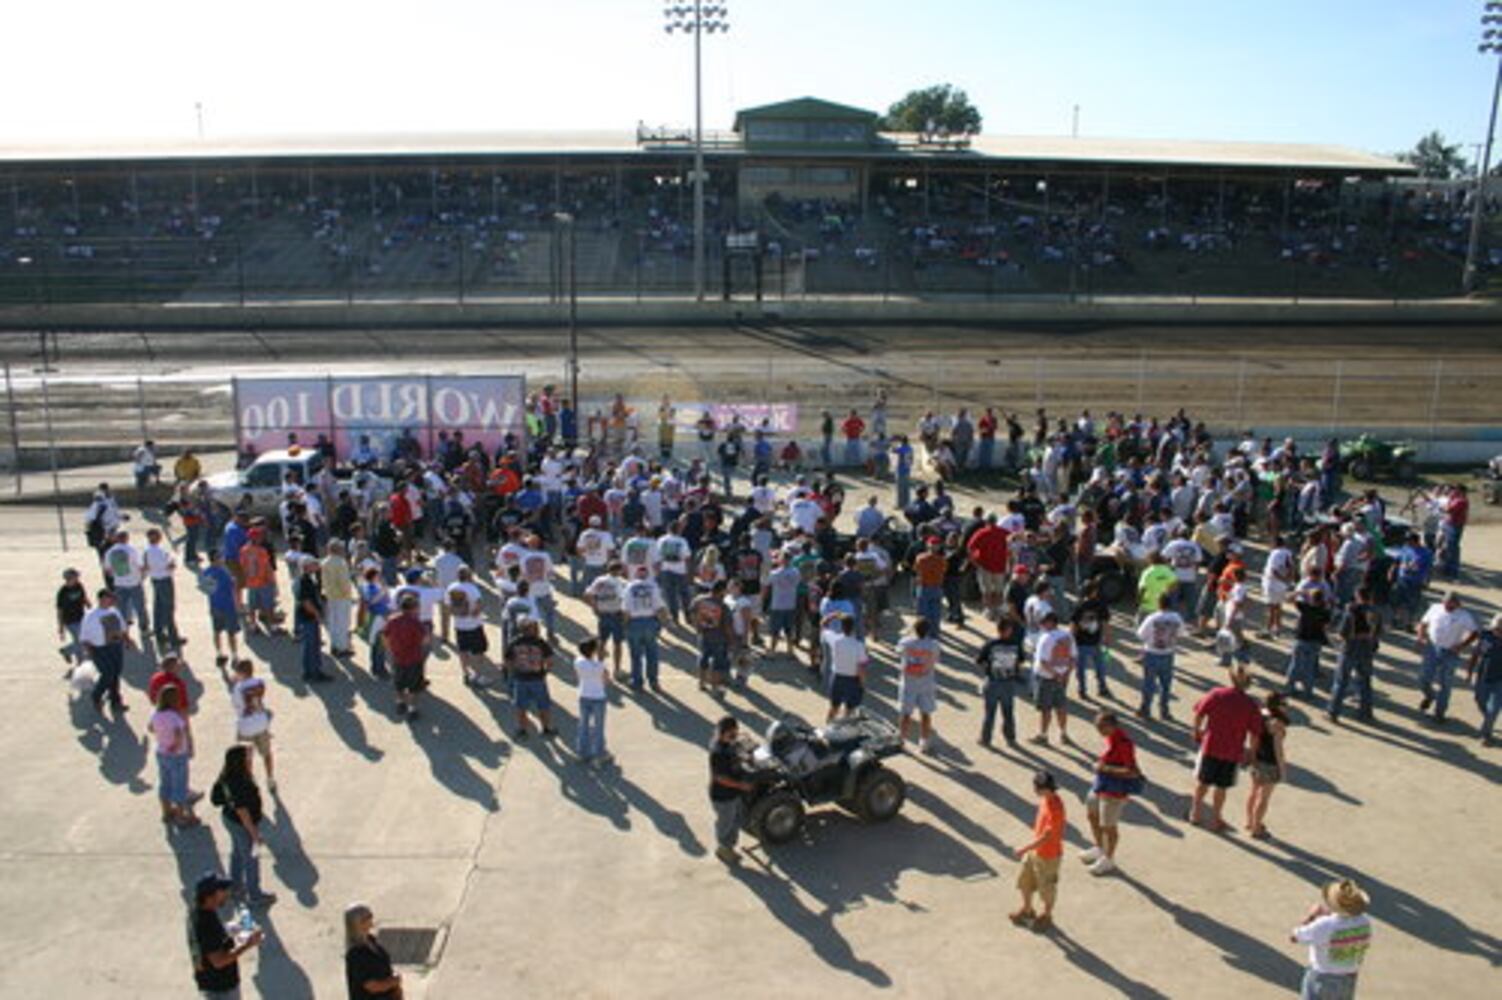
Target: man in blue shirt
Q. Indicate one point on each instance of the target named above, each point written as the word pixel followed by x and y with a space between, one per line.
pixel 1410 573
pixel 1486 668
pixel 236 534
pixel 224 607
pixel 870 520
pixel 902 469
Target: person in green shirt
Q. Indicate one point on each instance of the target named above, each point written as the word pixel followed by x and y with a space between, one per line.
pixel 1156 580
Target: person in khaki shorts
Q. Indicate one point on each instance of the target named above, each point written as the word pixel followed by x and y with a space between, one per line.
pixel 1040 857
pixel 1116 778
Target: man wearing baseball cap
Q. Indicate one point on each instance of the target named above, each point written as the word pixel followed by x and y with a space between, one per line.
pixel 216 955
pixel 1338 933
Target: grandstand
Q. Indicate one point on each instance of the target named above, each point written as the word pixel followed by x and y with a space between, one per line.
pixel 835 206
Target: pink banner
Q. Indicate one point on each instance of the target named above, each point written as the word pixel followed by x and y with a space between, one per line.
pixel 480 408
pixel 775 418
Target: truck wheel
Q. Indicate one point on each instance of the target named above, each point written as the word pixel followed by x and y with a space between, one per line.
pixel 776 818
pixel 1361 469
pixel 880 795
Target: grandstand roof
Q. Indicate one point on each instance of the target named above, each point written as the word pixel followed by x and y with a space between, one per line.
pixel 982 149
pixel 804 107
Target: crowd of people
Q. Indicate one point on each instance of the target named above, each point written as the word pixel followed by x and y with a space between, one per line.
pixel 1126 539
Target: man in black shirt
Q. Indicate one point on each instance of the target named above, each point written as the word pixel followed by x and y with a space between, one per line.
pixel 72 602
pixel 1089 624
pixel 529 658
pixel 730 457
pixel 1001 665
pixel 727 783
pixel 1303 665
pixel 307 621
pixel 1359 631
pixel 216 956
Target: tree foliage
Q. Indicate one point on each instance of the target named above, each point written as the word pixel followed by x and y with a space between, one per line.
pixel 940 108
pixel 1437 159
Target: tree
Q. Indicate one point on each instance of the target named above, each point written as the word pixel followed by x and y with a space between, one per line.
pixel 1437 159
pixel 940 108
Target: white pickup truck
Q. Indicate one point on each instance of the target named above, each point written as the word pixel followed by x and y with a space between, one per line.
pixel 260 485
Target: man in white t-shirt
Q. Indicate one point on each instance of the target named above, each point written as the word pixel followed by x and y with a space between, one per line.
pixel 804 513
pixel 1279 574
pixel 1054 658
pixel 467 606
pixel 159 564
pixel 607 595
pixel 593 547
pixel 446 569
pixel 126 568
pixel 1338 933
pixel 537 570
pixel 1159 633
pixel 1445 630
pixel 847 667
pixel 1184 556
pixel 671 554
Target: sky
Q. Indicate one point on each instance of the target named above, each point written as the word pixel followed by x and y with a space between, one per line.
pixel 1374 75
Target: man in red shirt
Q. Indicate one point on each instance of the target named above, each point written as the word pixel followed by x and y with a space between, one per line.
pixel 399 511
pixel 988 554
pixel 1116 776
pixel 986 428
pixel 1456 511
pixel 853 428
pixel 1224 719
pixel 406 643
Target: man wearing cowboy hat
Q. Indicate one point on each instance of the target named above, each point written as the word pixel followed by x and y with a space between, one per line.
pixel 1338 933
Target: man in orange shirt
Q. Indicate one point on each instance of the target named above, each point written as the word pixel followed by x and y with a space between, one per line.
pixel 1040 857
pixel 928 583
pixel 260 580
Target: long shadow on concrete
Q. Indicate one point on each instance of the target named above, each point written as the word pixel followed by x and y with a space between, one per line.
pixel 277 972
pixel 839 879
pixel 1241 951
pixel 1405 911
pixel 608 792
pixel 456 747
pixel 1092 965
pixel 288 859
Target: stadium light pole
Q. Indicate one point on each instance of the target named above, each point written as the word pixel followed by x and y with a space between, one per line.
pixel 697 19
pixel 565 222
pixel 1491 44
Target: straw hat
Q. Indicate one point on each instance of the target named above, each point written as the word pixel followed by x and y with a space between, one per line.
pixel 1346 897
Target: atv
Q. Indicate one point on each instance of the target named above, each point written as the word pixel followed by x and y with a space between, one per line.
pixel 800 765
pixel 1366 457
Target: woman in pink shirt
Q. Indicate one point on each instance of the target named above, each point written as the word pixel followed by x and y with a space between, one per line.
pixel 174 746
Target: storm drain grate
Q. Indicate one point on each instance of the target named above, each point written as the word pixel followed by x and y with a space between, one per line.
pixel 410 945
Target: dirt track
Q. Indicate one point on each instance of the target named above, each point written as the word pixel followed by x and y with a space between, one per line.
pixel 1347 378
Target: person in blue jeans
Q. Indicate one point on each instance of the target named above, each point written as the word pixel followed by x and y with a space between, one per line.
pixel 1445 631
pixel 1091 625
pixel 1485 669
pixel 594 681
pixel 1309 639
pixel 645 616
pixel 1005 676
pixel 1359 633
pixel 1159 633
pixel 307 621
pixel 238 796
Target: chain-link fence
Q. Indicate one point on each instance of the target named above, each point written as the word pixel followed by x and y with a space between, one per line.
pixel 90 424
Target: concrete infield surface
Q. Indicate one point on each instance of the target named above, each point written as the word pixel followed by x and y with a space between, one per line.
pixel 546 878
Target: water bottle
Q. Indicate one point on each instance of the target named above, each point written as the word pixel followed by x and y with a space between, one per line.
pixel 244 924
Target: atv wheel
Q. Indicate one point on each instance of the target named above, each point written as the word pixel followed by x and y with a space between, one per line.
pixel 880 795
pixel 1404 470
pixel 776 818
pixel 1360 468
